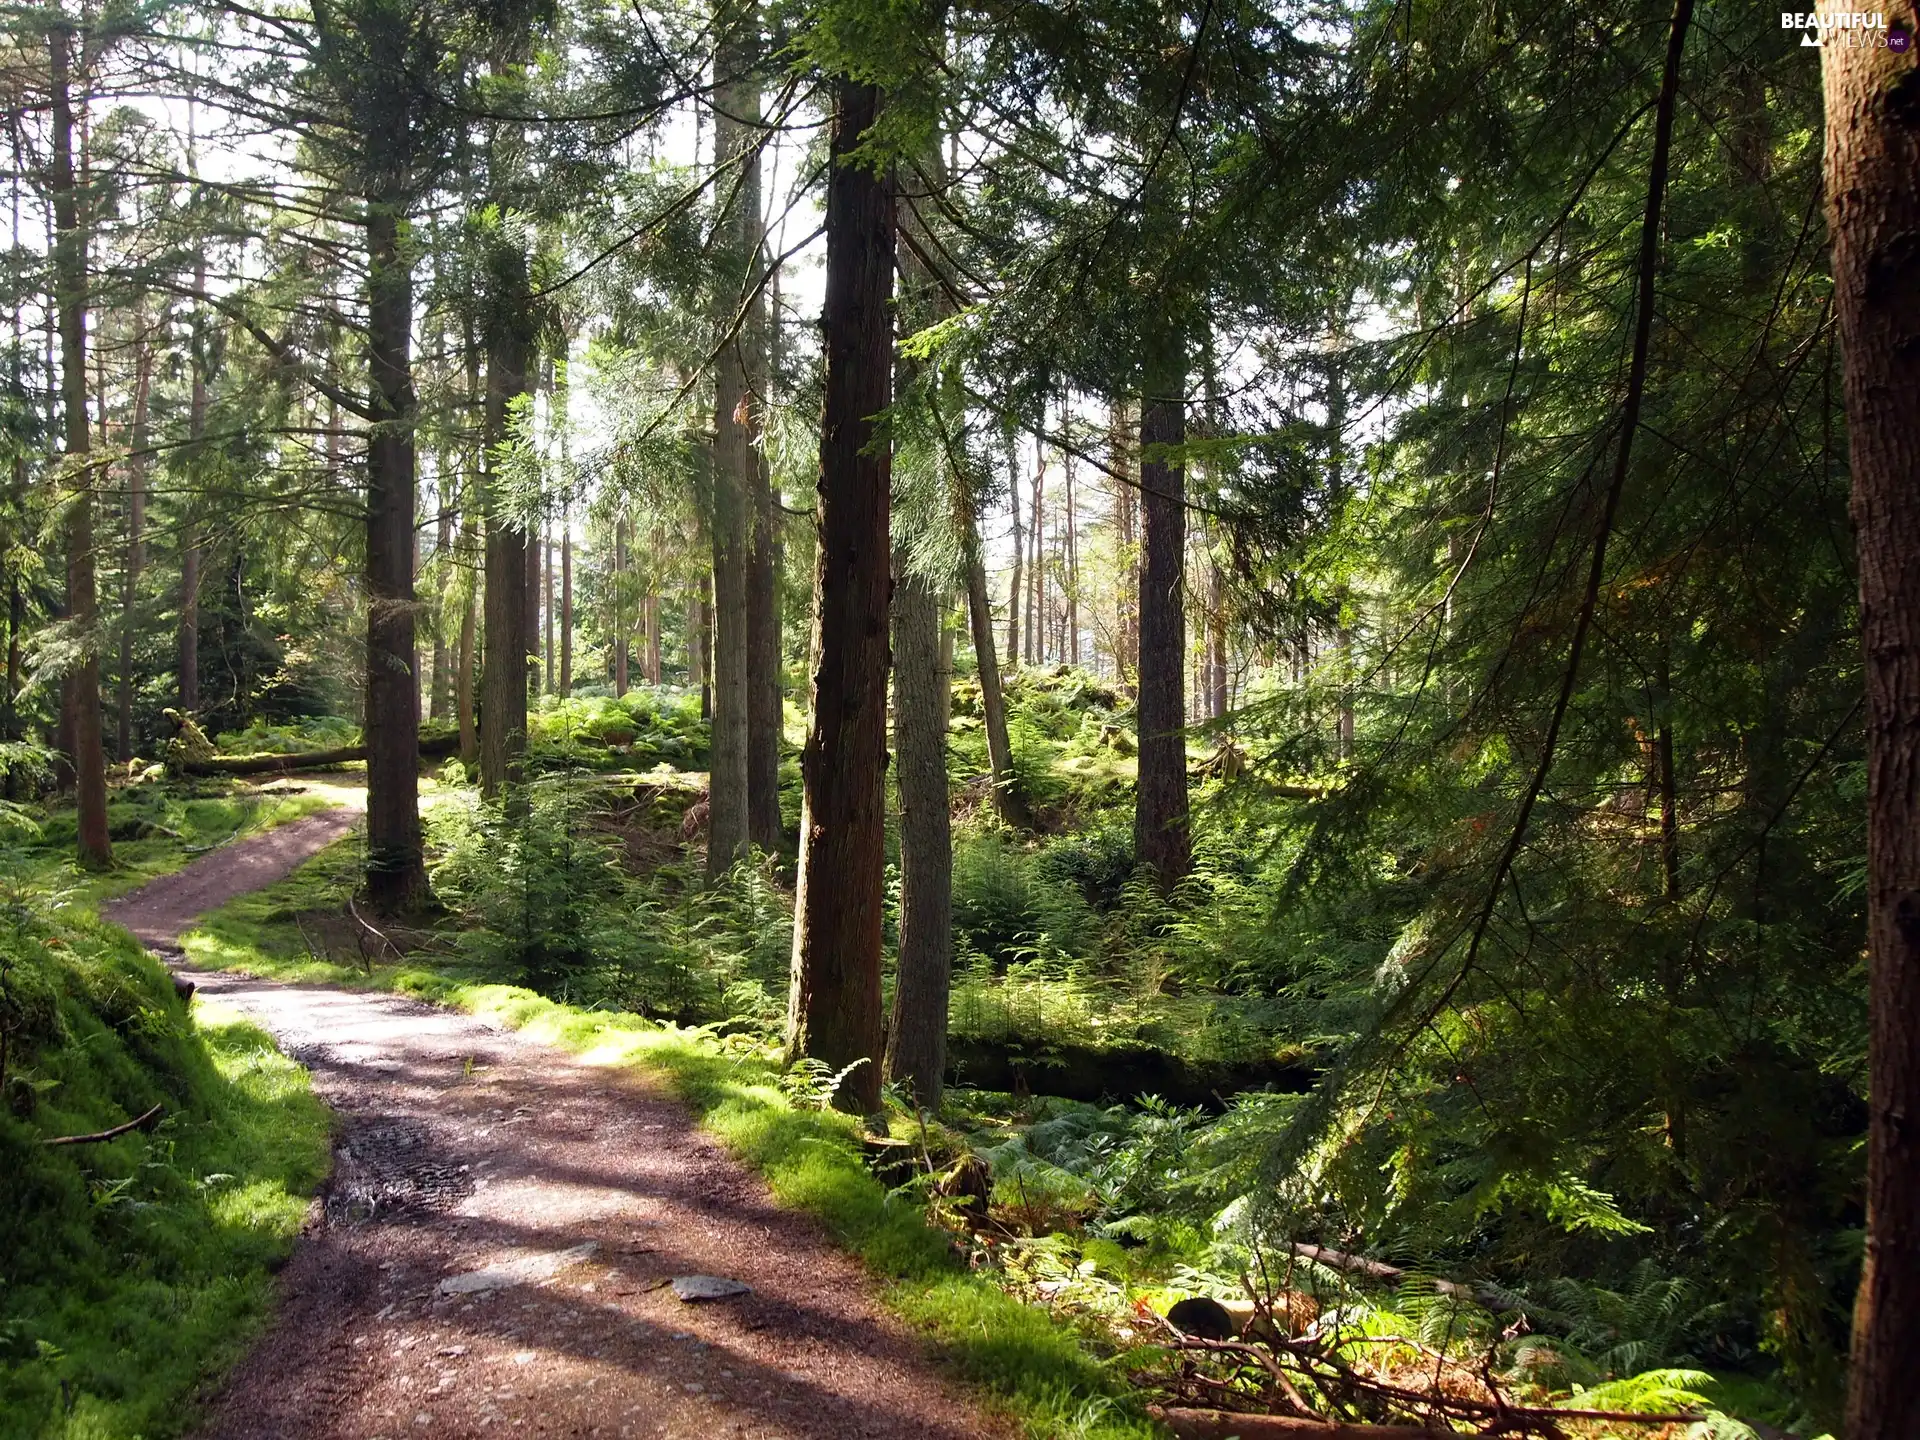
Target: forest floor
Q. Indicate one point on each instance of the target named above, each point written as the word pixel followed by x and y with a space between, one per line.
pixel 495 1250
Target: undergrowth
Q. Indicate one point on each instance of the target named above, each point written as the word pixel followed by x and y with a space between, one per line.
pixel 133 1270
pixel 1038 1368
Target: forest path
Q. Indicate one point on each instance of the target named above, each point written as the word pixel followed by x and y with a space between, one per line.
pixel 493 1252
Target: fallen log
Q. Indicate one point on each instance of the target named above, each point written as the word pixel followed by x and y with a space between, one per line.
pixel 1486 1295
pixel 139 1122
pixel 1224 1424
pixel 435 747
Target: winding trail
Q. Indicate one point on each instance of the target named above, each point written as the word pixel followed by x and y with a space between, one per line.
pixel 492 1253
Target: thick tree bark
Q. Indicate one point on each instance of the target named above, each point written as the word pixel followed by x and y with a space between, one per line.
pixel 1873 210
pixel 505 671
pixel 136 527
pixel 834 1008
pixel 736 425
pixel 80 687
pixel 396 876
pixel 1160 838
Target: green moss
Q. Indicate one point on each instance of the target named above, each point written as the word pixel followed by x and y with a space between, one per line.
pixel 810 1159
pixel 132 1271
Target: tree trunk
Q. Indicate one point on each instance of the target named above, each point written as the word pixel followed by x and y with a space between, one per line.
pixel 136 525
pixel 440 681
pixel 1007 798
pixel 1126 653
pixel 396 868
pixel 917 1036
pixel 621 644
pixel 1873 207
pixel 736 460
pixel 566 598
pixel 80 688
pixel 1036 582
pixel 546 565
pixel 1072 647
pixel 464 661
pixel 1019 551
pixel 1160 838
pixel 697 644
pixel 504 674
pixel 531 531
pixel 189 663
pixel 922 704
pixel 1216 642
pixel 766 710
pixel 766 713
pixel 834 1008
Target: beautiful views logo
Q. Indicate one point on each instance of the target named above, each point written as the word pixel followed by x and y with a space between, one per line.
pixel 1855 28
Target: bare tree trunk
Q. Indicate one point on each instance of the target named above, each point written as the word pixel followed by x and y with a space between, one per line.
pixel 566 599
pixel 1873 209
pixel 136 524
pixel 1019 550
pixel 546 562
pixel 469 626
pixel 654 671
pixel 396 876
pixel 1007 798
pixel 1073 544
pixel 766 707
pixel 621 642
pixel 917 1037
pixel 1216 642
pixel 80 699
pixel 532 533
pixel 922 705
pixel 1160 838
pixel 834 1010
pixel 696 643
pixel 512 604
pixel 189 633
pixel 1036 581
pixel 736 461
pixel 1126 651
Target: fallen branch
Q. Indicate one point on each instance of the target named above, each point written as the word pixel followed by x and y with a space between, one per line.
pixel 1387 1274
pixel 368 928
pixel 142 1122
pixel 1222 1424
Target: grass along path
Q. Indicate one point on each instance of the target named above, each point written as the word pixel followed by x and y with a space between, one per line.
pixel 1032 1368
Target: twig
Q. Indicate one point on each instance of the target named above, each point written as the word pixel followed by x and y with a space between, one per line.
pixel 139 1123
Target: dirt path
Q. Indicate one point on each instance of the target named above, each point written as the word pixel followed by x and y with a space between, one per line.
pixel 493 1253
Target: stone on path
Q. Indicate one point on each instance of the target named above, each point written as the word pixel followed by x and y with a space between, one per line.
pixel 708 1287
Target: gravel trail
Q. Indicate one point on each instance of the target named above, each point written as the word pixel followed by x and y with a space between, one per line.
pixel 494 1252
